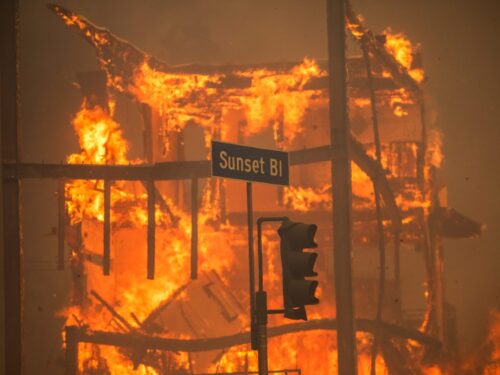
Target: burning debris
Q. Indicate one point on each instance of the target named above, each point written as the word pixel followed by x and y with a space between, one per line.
pixel 271 103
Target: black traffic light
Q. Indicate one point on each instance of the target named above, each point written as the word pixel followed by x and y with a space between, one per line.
pixel 296 266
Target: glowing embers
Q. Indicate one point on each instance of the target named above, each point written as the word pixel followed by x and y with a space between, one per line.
pixel 178 97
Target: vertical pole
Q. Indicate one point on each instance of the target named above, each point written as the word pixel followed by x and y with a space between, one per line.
pixel 397 269
pixel 194 229
pixel 12 250
pixel 61 224
pixel 251 268
pixel 378 210
pixel 147 136
pixel 341 188
pixel 71 350
pixel 261 322
pixel 106 245
pixel 437 264
pixel 261 307
pixel 151 229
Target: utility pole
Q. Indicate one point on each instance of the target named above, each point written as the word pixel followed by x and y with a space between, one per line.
pixel 341 188
pixel 12 249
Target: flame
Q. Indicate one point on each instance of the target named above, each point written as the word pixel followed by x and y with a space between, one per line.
pixel 403 51
pixel 398 100
pixel 274 100
pixel 279 99
pixel 435 148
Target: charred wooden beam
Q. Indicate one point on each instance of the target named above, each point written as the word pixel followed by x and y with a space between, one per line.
pixel 365 37
pixel 61 224
pixel 199 345
pixel 164 206
pixel 194 229
pixel 378 209
pixel 72 337
pixel 147 137
pixel 395 360
pixel 158 171
pixel 113 312
pixel 106 245
pixel 151 229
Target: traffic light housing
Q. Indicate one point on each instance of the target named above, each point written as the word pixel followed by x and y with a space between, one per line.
pixel 296 266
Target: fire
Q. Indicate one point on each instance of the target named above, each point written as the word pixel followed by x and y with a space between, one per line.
pixel 398 100
pixel 102 142
pixel 403 51
pixel 279 99
pixel 189 97
pixel 306 199
pixel 100 137
pixel 276 100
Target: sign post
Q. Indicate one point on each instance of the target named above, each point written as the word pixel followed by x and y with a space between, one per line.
pixel 259 165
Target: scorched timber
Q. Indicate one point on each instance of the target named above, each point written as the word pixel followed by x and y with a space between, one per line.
pixel 200 345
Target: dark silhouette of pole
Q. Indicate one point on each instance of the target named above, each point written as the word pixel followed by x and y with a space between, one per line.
pixel 341 188
pixel 12 249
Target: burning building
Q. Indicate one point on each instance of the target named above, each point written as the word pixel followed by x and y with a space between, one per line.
pixel 157 248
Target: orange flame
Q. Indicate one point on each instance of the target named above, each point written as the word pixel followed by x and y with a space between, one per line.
pixel 403 51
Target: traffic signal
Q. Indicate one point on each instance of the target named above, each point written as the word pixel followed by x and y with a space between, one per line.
pixel 296 266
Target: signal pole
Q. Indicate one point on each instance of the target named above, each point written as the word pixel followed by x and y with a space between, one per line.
pixel 341 188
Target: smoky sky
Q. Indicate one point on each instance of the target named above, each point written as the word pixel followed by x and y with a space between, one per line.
pixel 461 57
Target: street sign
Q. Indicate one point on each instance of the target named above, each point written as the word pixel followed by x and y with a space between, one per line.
pixel 250 163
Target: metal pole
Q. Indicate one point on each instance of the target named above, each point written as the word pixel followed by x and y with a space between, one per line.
pixel 12 249
pixel 194 229
pixel 261 321
pixel 261 301
pixel 251 268
pixel 341 188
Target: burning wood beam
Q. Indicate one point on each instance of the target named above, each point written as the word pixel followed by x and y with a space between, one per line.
pixel 365 37
pixel 107 229
pixel 120 59
pixel 151 229
pixel 200 345
pixel 113 312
